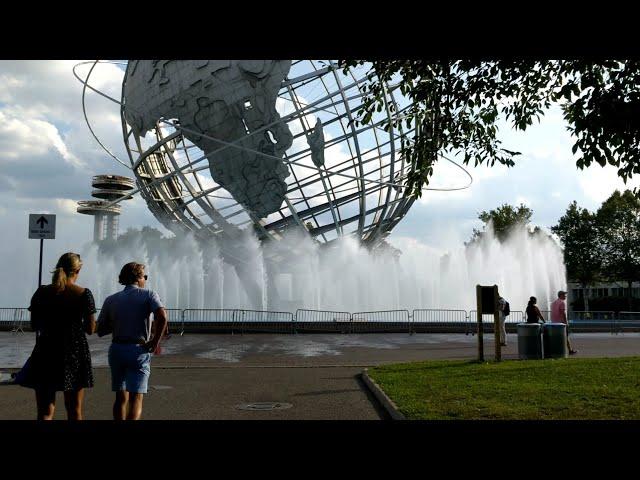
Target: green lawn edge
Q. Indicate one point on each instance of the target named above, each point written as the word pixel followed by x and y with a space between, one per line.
pixel 552 389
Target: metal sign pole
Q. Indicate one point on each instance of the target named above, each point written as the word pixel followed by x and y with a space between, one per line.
pixel 40 269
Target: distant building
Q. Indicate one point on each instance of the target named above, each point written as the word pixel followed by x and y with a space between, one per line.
pixel 601 290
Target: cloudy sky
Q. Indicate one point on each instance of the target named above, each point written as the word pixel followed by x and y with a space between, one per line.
pixel 47 158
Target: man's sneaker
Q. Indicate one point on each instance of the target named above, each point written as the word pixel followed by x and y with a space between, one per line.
pixel 573 352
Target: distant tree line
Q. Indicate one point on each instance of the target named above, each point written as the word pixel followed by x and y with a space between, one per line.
pixel 600 246
pixel 603 246
pixel 456 106
pixel 503 221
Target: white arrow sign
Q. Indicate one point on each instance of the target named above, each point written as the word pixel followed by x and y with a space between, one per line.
pixel 42 225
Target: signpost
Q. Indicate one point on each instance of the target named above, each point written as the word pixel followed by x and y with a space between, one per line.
pixel 487 303
pixel 42 226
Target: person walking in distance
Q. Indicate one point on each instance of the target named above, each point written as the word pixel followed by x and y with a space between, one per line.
pixel 503 312
pixel 126 315
pixel 559 315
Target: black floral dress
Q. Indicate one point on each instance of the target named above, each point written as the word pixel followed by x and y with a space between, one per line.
pixel 61 360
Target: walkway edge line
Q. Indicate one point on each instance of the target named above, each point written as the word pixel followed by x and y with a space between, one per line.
pixel 382 397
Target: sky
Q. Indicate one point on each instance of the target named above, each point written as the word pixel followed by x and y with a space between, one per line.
pixel 48 156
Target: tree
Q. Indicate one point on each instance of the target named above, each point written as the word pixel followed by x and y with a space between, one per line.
pixel 579 233
pixel 619 230
pixel 503 220
pixel 455 106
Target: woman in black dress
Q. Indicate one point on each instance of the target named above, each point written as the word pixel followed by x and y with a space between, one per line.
pixel 61 314
pixel 533 312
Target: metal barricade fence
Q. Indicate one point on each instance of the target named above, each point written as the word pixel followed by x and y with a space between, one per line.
pixel 322 321
pixel 514 318
pixel 306 320
pixel 591 321
pixel 236 320
pixel 472 323
pixel 381 321
pixel 174 319
pixel 208 319
pixel 511 321
pixel 439 320
pixel 627 321
pixel 265 321
pixel 15 319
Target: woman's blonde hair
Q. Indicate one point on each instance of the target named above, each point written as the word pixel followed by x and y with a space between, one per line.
pixel 68 264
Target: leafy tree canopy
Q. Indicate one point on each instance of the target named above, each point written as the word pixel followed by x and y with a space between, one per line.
pixel 455 106
pixel 619 231
pixel 504 219
pixel 578 232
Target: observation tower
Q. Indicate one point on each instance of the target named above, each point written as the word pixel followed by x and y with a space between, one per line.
pixel 108 188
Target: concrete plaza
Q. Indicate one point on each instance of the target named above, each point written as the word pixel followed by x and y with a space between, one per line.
pixel 210 377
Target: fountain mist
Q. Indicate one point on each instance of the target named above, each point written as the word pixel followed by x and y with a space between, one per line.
pixel 299 273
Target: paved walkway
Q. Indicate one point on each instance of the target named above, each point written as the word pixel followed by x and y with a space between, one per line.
pixel 210 376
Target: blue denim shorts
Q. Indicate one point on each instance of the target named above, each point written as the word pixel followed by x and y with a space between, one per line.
pixel 130 367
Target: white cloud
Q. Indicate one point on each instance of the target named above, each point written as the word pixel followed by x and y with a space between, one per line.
pixel 524 201
pixel 598 183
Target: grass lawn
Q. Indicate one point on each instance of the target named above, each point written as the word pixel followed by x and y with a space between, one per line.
pixel 554 389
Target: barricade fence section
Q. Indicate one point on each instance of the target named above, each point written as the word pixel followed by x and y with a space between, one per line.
pixel 627 322
pixel 235 320
pixel 487 322
pixel 265 321
pixel 433 320
pixel 382 321
pixel 511 322
pixel 329 321
pixel 592 321
pixel 15 319
pixel 326 321
pixel 174 320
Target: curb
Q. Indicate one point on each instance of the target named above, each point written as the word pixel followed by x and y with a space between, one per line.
pixel 382 397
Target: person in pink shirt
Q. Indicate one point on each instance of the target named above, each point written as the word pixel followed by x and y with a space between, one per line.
pixel 559 315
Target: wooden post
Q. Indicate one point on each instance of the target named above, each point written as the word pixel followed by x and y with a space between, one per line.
pixel 479 312
pixel 496 324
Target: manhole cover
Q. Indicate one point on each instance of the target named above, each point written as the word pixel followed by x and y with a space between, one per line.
pixel 161 387
pixel 264 406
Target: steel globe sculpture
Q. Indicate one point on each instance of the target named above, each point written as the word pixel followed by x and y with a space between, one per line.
pixel 234 150
pixel 222 146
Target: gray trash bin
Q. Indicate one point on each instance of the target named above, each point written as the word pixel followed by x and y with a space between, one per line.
pixel 529 341
pixel 554 337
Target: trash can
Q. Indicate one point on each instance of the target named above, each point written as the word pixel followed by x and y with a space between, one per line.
pixel 554 337
pixel 529 341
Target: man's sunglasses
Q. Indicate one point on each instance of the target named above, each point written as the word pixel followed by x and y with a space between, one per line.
pixel 145 276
